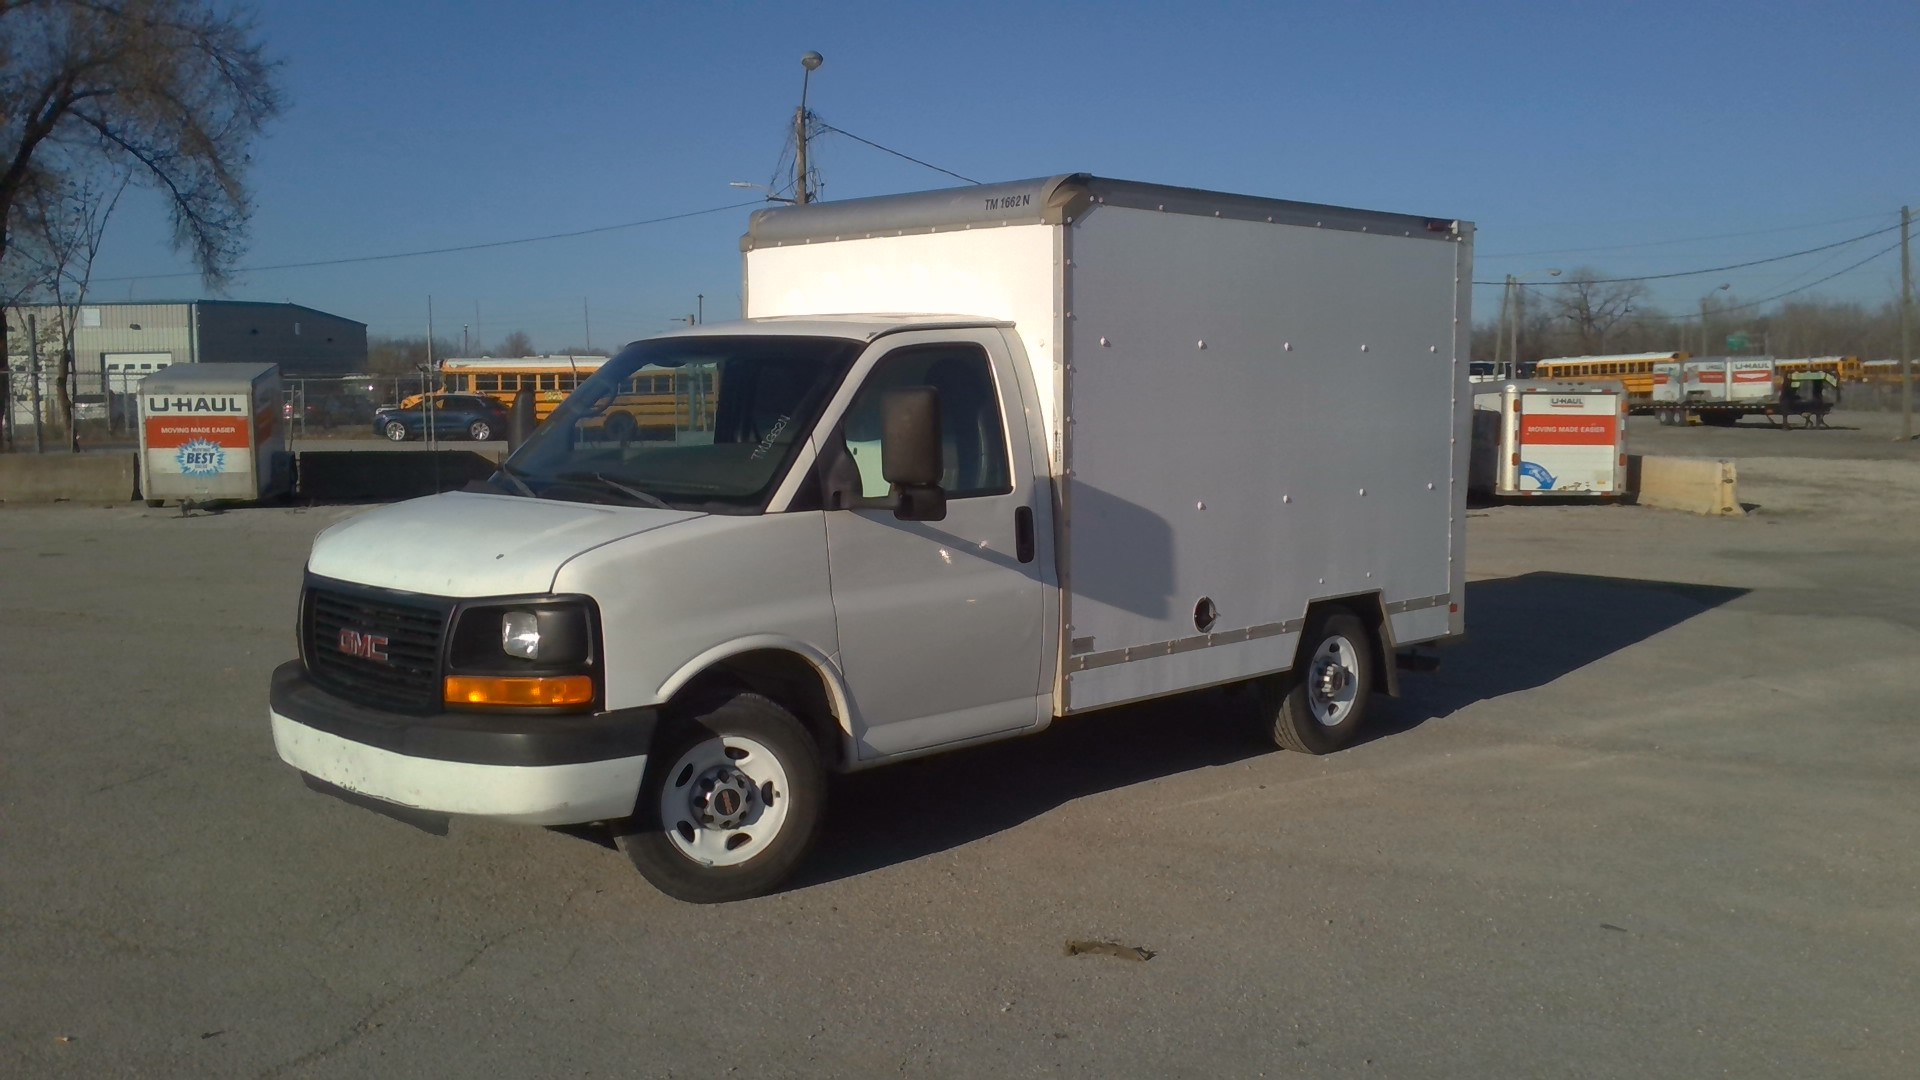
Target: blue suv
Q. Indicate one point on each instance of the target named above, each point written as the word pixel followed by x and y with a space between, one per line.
pixel 455 416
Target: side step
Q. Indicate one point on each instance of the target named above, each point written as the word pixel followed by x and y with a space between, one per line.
pixel 1417 658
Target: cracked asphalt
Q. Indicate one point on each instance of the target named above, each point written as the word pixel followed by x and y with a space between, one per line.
pixel 1657 817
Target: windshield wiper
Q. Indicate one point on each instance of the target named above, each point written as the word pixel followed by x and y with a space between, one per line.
pixel 519 484
pixel 650 500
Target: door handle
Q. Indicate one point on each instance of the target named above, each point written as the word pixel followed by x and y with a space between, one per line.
pixel 1023 533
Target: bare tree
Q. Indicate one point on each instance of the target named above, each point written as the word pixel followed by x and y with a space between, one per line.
pixel 174 91
pixel 1592 306
pixel 69 224
pixel 517 344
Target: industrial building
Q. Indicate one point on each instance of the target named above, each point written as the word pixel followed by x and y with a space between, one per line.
pixel 115 345
pixel 125 341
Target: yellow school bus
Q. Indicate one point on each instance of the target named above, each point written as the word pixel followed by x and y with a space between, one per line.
pixel 1634 370
pixel 551 378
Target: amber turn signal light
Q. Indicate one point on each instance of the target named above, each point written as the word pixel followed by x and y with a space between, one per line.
pixel 546 691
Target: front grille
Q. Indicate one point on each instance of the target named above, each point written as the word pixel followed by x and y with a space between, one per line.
pixel 413 626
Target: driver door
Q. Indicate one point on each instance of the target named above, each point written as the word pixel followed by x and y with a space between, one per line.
pixel 940 622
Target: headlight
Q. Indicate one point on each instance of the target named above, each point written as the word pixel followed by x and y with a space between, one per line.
pixel 520 634
pixel 524 637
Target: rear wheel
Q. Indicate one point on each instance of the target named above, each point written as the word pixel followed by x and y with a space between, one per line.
pixel 396 431
pixel 731 803
pixel 480 431
pixel 1319 706
pixel 621 428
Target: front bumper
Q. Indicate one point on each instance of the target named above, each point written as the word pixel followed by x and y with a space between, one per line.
pixel 530 769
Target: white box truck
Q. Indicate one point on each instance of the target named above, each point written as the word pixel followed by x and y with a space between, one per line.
pixel 1549 438
pixel 975 460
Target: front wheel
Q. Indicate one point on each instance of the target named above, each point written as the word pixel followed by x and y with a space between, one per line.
pixel 731 803
pixel 1319 706
pixel 396 431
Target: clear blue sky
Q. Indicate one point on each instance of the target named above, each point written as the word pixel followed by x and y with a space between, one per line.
pixel 1554 126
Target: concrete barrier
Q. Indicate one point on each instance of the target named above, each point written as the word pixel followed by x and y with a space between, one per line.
pixel 63 477
pixel 1696 485
pixel 381 475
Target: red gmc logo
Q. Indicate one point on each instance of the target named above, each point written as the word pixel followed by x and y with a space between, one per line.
pixel 365 646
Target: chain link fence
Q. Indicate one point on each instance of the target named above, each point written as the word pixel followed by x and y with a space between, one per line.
pixel 93 410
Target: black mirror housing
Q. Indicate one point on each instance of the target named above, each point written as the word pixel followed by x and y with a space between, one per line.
pixel 918 503
pixel 910 437
pixel 910 452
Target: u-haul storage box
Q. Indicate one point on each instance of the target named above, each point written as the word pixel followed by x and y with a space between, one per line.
pixel 213 431
pixel 1559 440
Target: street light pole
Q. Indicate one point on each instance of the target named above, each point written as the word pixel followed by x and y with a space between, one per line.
pixel 811 61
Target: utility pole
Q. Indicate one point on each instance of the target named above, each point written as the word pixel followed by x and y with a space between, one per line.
pixel 33 352
pixel 802 195
pixel 1906 325
pixel 427 402
pixel 586 317
pixel 463 339
pixel 1500 335
pixel 1513 329
pixel 700 311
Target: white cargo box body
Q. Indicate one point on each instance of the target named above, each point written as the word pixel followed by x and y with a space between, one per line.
pixel 1560 440
pixel 212 431
pixel 1669 387
pixel 1725 380
pixel 1250 404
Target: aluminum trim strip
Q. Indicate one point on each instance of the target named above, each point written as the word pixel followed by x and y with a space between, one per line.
pixel 1089 661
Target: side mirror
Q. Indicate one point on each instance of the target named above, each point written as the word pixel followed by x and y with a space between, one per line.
pixel 910 452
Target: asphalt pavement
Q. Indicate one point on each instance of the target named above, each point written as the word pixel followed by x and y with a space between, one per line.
pixel 1657 816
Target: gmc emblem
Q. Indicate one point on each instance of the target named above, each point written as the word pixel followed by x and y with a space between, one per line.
pixel 365 646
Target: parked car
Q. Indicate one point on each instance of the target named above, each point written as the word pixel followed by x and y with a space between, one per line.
pixel 455 416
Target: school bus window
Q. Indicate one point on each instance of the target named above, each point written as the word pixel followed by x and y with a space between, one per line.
pixel 456 382
pixel 486 382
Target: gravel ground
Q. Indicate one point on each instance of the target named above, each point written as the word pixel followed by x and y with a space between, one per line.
pixel 1655 817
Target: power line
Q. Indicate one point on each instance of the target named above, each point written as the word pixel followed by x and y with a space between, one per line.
pixel 1684 240
pixel 1710 269
pixel 824 126
pixel 446 250
pixel 1798 289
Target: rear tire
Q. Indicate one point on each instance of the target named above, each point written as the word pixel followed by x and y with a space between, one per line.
pixel 621 428
pixel 1320 706
pixel 731 803
pixel 480 431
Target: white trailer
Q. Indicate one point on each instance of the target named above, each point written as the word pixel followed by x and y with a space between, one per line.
pixel 1127 441
pixel 1716 389
pixel 213 432
pixel 1549 439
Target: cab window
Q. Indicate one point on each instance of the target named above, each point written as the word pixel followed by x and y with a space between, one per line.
pixel 973 435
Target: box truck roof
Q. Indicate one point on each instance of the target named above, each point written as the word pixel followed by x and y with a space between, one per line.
pixel 1055 200
pixel 858 327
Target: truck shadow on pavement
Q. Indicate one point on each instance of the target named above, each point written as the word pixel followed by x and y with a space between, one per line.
pixel 1522 632
pixel 1525 632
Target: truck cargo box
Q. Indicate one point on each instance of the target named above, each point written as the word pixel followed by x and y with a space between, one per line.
pixel 1250 404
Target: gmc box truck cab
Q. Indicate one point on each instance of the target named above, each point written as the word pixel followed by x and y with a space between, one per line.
pixel 1082 442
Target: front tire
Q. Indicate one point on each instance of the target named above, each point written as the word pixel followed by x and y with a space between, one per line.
pixel 731 804
pixel 396 431
pixel 1319 706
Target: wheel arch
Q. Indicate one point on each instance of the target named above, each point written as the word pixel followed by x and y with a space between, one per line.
pixel 1371 609
pixel 792 673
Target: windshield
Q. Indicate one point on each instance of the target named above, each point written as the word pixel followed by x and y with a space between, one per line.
pixel 691 423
